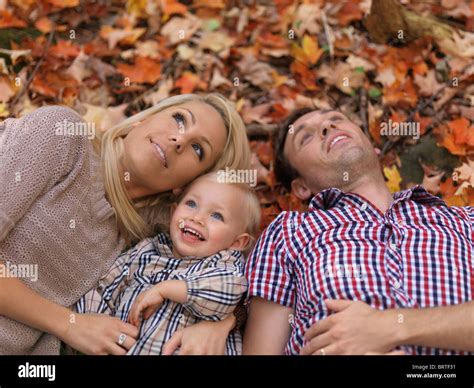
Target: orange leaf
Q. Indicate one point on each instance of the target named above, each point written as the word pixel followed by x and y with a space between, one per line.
pixel 144 70
pixel 170 7
pixel 51 83
pixel 64 49
pixel 305 75
pixel 349 12
pixel 447 140
pixel 400 94
pixel 63 3
pixel 187 82
pixel 8 20
pixel 374 130
pixel 265 153
pixel 44 25
pixel 424 122
pixel 461 131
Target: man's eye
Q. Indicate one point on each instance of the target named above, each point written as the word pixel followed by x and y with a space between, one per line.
pixel 180 120
pixel 305 137
pixel 199 151
pixel 191 203
pixel 217 216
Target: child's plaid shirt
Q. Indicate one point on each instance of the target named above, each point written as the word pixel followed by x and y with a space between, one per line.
pixel 215 286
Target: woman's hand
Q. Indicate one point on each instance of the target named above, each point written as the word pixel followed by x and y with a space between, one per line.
pixel 147 302
pixel 98 334
pixel 356 328
pixel 203 338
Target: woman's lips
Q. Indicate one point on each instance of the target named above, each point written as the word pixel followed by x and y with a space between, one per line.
pixel 160 153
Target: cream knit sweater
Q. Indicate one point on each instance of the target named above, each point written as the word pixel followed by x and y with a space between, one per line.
pixel 53 217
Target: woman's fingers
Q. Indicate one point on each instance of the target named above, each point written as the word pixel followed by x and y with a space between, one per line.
pixel 129 342
pixel 128 329
pixel 149 311
pixel 116 350
pixel 133 315
pixel 173 343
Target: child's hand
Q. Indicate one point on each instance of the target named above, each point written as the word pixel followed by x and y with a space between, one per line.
pixel 147 302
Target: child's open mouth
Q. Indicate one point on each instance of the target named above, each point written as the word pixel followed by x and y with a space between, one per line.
pixel 191 235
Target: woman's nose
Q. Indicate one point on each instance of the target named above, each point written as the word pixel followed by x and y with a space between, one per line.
pixel 178 142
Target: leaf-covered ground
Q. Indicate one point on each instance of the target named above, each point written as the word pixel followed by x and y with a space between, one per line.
pixel 110 59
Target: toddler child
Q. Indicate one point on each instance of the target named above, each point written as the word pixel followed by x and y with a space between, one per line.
pixel 196 272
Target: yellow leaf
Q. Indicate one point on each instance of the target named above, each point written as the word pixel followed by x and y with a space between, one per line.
pixel 393 178
pixel 311 49
pixel 4 110
pixel 137 7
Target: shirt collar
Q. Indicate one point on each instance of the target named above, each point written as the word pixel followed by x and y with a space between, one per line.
pixel 418 194
pixel 326 199
pixel 329 198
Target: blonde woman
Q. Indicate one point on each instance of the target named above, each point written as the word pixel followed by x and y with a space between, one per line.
pixel 69 206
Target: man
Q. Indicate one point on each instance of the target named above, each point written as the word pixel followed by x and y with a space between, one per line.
pixel 407 253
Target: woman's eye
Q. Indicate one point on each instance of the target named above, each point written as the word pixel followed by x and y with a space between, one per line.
pixel 199 151
pixel 180 120
pixel 217 216
pixel 191 203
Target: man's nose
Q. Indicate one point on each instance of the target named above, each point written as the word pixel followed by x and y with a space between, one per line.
pixel 326 128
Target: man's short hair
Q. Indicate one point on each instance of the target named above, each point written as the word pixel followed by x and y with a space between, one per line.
pixel 284 171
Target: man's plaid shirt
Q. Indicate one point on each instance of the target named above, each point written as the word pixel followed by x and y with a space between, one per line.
pixel 417 254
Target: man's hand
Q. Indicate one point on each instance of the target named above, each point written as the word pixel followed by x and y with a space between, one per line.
pixel 356 328
pixel 147 302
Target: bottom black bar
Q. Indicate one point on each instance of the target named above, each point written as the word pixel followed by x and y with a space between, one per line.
pixel 378 371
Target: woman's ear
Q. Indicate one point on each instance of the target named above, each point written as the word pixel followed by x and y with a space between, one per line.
pixel 241 242
pixel 177 191
pixel 300 189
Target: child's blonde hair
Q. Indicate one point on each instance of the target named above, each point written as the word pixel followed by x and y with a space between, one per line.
pixel 250 204
pixel 142 218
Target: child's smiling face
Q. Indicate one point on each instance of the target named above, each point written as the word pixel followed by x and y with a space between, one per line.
pixel 207 220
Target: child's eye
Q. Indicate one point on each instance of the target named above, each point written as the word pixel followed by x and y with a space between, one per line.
pixel 199 151
pixel 191 203
pixel 180 120
pixel 217 216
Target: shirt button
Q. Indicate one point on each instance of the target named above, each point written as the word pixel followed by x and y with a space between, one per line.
pixel 363 207
pixel 400 222
pixel 393 246
pixel 396 285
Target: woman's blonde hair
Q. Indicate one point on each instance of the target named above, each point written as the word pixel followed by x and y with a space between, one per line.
pixel 143 217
